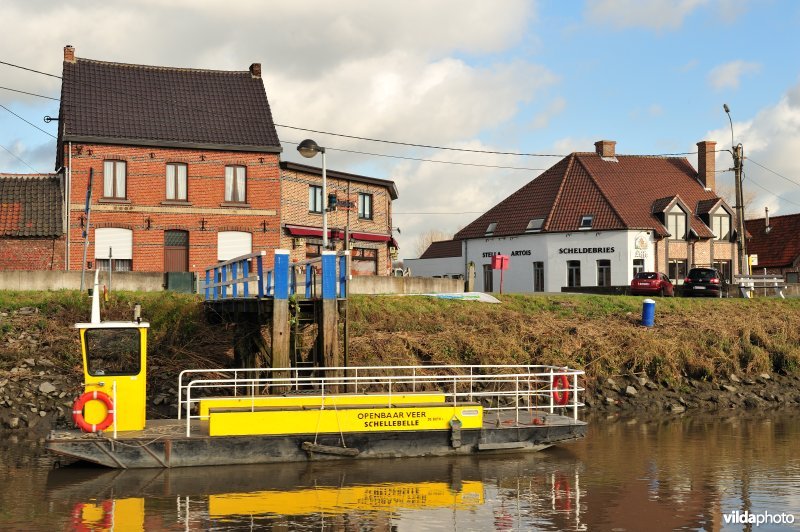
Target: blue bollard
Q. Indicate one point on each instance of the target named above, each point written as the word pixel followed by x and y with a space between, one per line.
pixel 648 312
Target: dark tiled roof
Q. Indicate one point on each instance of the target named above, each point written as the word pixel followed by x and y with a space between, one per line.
pixel 621 193
pixel 161 106
pixel 30 205
pixel 779 248
pixel 295 167
pixel 442 250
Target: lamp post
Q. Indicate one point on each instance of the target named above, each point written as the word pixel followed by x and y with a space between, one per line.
pixel 738 154
pixel 308 148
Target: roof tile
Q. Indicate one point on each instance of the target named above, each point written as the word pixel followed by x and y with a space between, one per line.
pixel 30 205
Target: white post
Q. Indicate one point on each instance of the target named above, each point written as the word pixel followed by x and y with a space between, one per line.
pixel 188 410
pixel 551 387
pixel 575 396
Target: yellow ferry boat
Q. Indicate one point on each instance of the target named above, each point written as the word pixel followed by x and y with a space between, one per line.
pixel 258 415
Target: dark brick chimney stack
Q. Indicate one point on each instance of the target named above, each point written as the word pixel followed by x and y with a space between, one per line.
pixel 605 148
pixel 255 70
pixel 69 54
pixel 706 166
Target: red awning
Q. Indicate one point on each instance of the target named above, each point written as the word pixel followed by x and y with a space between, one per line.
pixel 372 237
pixel 301 230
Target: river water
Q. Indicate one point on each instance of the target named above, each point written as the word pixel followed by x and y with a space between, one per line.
pixel 687 472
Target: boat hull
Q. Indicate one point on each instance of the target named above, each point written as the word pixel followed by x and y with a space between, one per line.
pixel 162 446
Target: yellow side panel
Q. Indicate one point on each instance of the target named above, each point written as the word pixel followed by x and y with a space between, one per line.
pixel 330 420
pixel 131 392
pixel 129 514
pixel 384 497
pixel 331 400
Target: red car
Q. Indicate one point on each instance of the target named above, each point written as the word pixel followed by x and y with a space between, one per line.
pixel 651 284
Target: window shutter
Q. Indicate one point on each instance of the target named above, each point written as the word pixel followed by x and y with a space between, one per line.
pixel 231 244
pixel 119 240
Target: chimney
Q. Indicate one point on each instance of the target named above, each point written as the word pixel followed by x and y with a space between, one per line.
pixel 255 70
pixel 69 54
pixel 605 148
pixel 706 163
pixel 767 228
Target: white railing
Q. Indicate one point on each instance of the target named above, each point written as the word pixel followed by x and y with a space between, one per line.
pixel 497 387
pixel 750 283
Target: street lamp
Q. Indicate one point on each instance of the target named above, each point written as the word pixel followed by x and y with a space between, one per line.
pixel 308 148
pixel 738 154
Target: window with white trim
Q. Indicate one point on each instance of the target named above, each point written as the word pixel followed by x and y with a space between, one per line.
pixel 235 184
pixel 586 221
pixel 721 225
pixel 176 181
pixel 114 173
pixel 676 223
pixel 314 199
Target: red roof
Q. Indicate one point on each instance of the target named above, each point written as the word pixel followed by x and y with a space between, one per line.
pixel 622 192
pixel 442 249
pixel 779 248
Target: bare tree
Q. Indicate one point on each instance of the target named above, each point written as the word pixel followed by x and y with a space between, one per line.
pixel 728 193
pixel 425 239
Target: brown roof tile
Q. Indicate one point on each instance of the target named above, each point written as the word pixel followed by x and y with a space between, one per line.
pixel 442 250
pixel 621 193
pixel 779 248
pixel 30 205
pixel 161 106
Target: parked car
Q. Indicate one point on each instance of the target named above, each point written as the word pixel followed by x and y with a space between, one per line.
pixel 704 282
pixel 652 284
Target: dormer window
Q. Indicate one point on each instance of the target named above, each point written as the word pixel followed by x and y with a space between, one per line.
pixel 721 225
pixel 676 223
pixel 490 229
pixel 534 225
pixel 586 221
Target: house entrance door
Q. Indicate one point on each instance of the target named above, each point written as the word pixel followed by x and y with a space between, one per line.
pixel 176 251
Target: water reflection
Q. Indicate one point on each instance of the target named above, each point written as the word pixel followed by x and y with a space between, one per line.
pixel 628 474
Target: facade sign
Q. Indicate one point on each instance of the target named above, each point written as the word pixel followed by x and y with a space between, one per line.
pixel 565 251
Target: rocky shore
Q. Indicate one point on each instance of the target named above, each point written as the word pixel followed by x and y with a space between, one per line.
pixel 37 396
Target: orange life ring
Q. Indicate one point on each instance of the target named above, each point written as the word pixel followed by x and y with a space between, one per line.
pixel 560 390
pixel 77 411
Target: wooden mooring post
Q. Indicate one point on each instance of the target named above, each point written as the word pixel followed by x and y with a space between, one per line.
pixel 280 311
pixel 329 327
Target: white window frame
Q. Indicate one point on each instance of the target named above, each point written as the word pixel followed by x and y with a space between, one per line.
pixel 235 184
pixel 716 225
pixel 115 179
pixel 586 221
pixel 177 177
pixel 677 223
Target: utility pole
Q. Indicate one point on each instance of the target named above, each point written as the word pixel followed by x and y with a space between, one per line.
pixel 738 158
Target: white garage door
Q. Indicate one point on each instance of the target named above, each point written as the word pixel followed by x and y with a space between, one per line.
pixel 231 244
pixel 119 240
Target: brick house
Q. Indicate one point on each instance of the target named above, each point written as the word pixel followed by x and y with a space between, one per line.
pixel 362 216
pixel 594 220
pixel 776 242
pixel 31 226
pixel 185 164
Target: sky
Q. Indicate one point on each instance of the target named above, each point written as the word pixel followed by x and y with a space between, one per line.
pixel 520 77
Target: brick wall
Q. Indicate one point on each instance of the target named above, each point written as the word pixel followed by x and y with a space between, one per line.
pixel 147 212
pixel 295 211
pixel 32 253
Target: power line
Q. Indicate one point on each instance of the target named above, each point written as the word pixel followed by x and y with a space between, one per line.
pixel 773 172
pixel 30 93
pixel 427 160
pixel 773 194
pixel 29 123
pixel 29 69
pixel 14 155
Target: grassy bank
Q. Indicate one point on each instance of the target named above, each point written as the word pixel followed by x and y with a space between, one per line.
pixel 697 338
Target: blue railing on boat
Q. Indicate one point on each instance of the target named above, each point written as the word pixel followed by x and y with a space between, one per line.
pixel 245 277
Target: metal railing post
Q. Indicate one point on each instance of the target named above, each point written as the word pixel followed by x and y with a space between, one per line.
pixel 575 396
pixel 188 410
pixel 549 386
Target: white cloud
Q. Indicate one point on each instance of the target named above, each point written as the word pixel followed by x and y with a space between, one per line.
pixel 728 75
pixel 649 14
pixel 771 138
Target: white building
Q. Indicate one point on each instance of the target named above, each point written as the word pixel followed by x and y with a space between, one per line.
pixel 594 220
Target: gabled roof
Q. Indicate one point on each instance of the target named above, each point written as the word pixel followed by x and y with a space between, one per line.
pixel 335 174
pixel 442 249
pixel 30 205
pixel 779 248
pixel 162 106
pixel 626 192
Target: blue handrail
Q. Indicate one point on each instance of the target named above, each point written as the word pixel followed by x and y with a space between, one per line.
pixel 281 281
